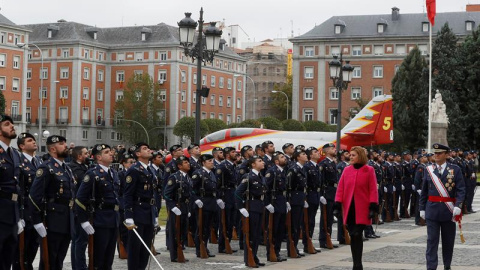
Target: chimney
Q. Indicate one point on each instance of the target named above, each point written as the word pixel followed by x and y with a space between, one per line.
pixel 395 14
pixel 473 8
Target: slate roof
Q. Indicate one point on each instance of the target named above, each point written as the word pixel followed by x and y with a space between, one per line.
pixel 5 21
pixel 408 25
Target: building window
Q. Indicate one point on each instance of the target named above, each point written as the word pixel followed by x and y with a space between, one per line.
pixel 357 50
pixel 423 49
pixel 400 49
pixel 212 81
pixel 204 79
pixel 183 113
pixel 397 67
pixel 62 132
pixel 333 93
pixel 100 56
pixel 15 108
pixel 85 134
pixel 120 57
pixel 63 92
pixel 212 100
pixel 162 55
pixel 120 76
pixel 220 101
pixel 64 73
pixel 29 74
pixel 229 84
pixel 229 119
pixel 184 76
pixel 100 75
pixel 99 94
pixel 194 97
pixel 204 115
pixel 308 94
pixel 3 58
pixel 357 72
pixel 65 53
pixel 139 56
pixel 195 78
pixel 2 83
pixel 356 93
pixel 239 85
pixel 86 73
pixel 425 26
pixel 162 96
pixel 99 134
pixel 204 100
pixel 86 53
pixel 118 95
pixel 308 73
pixel 335 50
pixel 44 73
pixel 63 115
pixel 377 71
pixel 378 49
pixel 16 85
pixel 16 62
pixel 220 116
pixel 239 103
pixel 221 82
pixel 28 115
pixel 239 119
pixel 183 95
pixel 85 93
pixel 469 26
pixel 380 28
pixel 212 115
pixel 377 91
pixel 338 29
pixel 229 102
pixel 43 95
pixel 332 116
pixel 2 37
pixel 307 115
pixel 29 93
pixel 162 76
pixel 309 51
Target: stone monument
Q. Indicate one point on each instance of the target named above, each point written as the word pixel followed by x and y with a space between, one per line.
pixel 439 120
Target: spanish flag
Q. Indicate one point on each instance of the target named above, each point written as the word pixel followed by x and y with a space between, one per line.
pixel 431 10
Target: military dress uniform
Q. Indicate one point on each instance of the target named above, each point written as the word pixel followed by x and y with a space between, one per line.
pixel 177 194
pixel 97 202
pixel 439 208
pixel 296 187
pixel 9 196
pixel 52 193
pixel 140 206
pixel 226 185
pixel 268 163
pixel 418 186
pixel 388 178
pixel 240 172
pixel 314 182
pixel 253 186
pixel 192 220
pixel 408 172
pixel 397 180
pixel 472 181
pixel 119 188
pixel 329 172
pixel 369 232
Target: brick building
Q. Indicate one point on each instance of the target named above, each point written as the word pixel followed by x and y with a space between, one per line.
pixel 376 46
pixel 12 69
pixel 86 67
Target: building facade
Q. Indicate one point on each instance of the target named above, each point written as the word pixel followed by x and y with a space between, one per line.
pixel 374 44
pixel 86 69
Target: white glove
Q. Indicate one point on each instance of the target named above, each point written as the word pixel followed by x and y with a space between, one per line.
pixel 422 214
pixel 394 189
pixel 270 208
pixel 40 229
pixel 199 203
pixel 176 211
pixel 323 200
pixel 220 203
pixel 288 207
pixel 189 214
pixel 21 226
pixel 403 187
pixel 87 227
pixel 385 189
pixel 129 222
pixel 305 204
pixel 456 211
pixel 413 187
pixel 419 192
pixel 244 212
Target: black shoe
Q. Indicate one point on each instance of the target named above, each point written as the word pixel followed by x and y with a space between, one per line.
pixel 341 242
pixel 336 246
pixel 376 236
pixel 281 259
pixel 364 239
pixel 157 251
pixel 260 264
pixel 370 236
pixel 211 255
pixel 447 268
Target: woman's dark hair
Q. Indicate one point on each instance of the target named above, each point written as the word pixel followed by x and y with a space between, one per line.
pixel 361 153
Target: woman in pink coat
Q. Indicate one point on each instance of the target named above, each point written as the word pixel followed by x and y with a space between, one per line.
pixel 357 193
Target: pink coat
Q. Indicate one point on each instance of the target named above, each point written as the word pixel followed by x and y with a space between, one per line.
pixel 362 185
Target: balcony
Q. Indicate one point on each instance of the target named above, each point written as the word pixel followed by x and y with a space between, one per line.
pixel 44 121
pixel 62 121
pixel 86 122
pixel 100 123
pixel 29 121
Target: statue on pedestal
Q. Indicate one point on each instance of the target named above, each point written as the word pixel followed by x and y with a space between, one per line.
pixel 439 111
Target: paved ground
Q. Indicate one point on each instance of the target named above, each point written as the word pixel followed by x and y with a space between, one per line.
pixel 402 246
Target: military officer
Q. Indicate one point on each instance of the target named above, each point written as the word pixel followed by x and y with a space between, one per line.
pixel 156 167
pixel 226 185
pixel 398 183
pixel 471 179
pixel 328 170
pixel 176 151
pixel 140 206
pixel 217 153
pixel 313 197
pixel 374 163
pixel 11 224
pixel 443 192
pixel 276 202
pixel 259 151
pixel 247 152
pixel 52 196
pixel 195 153
pixel 288 150
pixel 408 170
pixel 388 187
pixel 126 161
pixel 252 190
pixel 177 197
pixel 421 170
pixel 268 148
pixel 27 145
pixel 97 206
pixel 204 187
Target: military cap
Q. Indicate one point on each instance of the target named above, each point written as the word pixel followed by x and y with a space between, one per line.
pixel 266 143
pixel 25 135
pixel 421 155
pixel 228 149
pixel 276 153
pixel 175 147
pixel 206 157
pixel 99 147
pixel 258 146
pixel 125 157
pixel 193 145
pixel 55 139
pixel 253 159
pixel 216 149
pixel 394 154
pixel 156 153
pixel 245 149
pixel 285 146
pixel 297 152
pixel 136 147
pixel 472 152
pixel 181 159
pixel 328 145
pixel 4 117
pixel 438 148
pixel 429 154
pixel 406 153
pixel 310 150
pixel 300 146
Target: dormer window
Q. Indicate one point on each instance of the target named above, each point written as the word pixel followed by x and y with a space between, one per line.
pixel 339 28
pixel 144 36
pixel 380 28
pixel 425 27
pixel 49 35
pixel 146 32
pixel 52 30
pixel 469 25
pixel 95 35
pixel 92 32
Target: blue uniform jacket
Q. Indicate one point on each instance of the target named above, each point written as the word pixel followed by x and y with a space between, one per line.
pixel 314 183
pixel 177 192
pixel 9 176
pixel 252 184
pixel 27 175
pixel 171 168
pixel 204 186
pixel 329 172
pixel 226 182
pixel 276 181
pixel 296 185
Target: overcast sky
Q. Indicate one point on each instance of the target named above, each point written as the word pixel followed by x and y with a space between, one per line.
pixel 260 19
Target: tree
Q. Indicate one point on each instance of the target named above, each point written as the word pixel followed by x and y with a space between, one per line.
pixel 250 123
pixel 140 103
pixel 185 128
pixel 215 125
pixel 318 126
pixel 292 125
pixel 271 123
pixel 233 125
pixel 410 100
pixel 2 102
pixel 279 102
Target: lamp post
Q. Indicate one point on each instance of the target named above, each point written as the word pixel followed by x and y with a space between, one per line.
pixel 341 76
pixel 275 91
pixel 40 113
pixel 254 93
pixel 204 50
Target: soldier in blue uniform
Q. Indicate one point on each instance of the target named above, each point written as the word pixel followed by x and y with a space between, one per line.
pixel 471 180
pixel 276 201
pixel 259 151
pixel 195 153
pixel 313 197
pixel 126 161
pixel 29 163
pixel 413 197
pixel 252 189
pixel 156 167
pixel 52 196
pixel 11 224
pixel 296 189
pixel 217 153
pixel 407 183
pixel 268 148
pixel 417 182
pixel 97 206
pixel 204 185
pixel 374 163
pixel 177 198
pixel 443 192
pixel 388 187
pixel 398 185
pixel 140 206
pixel 176 151
pixel 242 169
pixel 328 170
pixel 288 150
pixel 226 185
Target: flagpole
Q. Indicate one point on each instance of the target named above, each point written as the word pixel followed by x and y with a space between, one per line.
pixel 430 92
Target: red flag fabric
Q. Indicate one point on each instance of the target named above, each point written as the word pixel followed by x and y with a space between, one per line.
pixel 431 10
